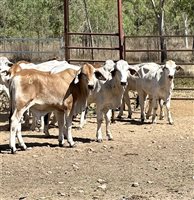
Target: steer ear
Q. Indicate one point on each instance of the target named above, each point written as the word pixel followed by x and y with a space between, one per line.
pixel 179 68
pixel 113 72
pixel 99 76
pixel 133 71
pixel 76 80
pixel 163 66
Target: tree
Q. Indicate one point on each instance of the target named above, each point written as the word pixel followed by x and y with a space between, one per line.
pixel 159 14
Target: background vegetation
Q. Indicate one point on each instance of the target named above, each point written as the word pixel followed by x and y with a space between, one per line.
pixel 44 18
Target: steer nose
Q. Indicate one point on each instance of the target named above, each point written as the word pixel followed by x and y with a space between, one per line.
pixel 123 83
pixel 90 87
pixel 170 77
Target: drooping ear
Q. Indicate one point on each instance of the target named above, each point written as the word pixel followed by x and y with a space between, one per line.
pixel 133 71
pixel 76 80
pixel 99 75
pixel 113 72
pixel 163 67
pixel 179 68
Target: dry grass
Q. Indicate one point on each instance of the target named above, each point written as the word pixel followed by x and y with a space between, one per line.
pixel 44 49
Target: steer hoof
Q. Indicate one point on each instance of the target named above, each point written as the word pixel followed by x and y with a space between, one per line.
pixel 119 117
pixel 13 151
pixel 61 144
pixel 72 145
pixel 23 148
pixel 99 140
pixel 129 116
pixel 113 121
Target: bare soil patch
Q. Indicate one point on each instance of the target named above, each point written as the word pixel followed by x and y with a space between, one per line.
pixel 143 162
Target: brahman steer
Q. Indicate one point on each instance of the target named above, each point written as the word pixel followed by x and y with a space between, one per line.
pixel 65 92
pixel 108 95
pixel 52 66
pixel 156 81
pixel 106 71
pixel 132 86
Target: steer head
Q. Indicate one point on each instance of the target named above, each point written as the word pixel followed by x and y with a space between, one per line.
pixel 88 75
pixel 170 68
pixel 83 83
pixel 109 65
pixel 122 70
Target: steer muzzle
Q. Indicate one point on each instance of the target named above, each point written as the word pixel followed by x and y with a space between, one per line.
pixel 123 83
pixel 170 77
pixel 90 87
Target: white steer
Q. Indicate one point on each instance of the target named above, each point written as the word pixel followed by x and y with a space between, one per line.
pixel 156 81
pixel 108 95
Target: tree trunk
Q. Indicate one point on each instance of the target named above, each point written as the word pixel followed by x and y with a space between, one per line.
pixel 160 21
pixel 185 19
pixel 193 46
pixel 89 27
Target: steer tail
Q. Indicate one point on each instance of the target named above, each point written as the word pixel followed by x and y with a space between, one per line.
pixel 12 99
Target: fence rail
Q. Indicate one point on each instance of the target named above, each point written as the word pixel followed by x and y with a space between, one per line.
pixel 136 49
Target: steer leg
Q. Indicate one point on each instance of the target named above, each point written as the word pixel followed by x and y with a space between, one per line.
pixel 61 125
pixel 155 107
pixel 68 118
pixel 142 99
pixel 33 126
pixel 68 132
pixel 108 121
pixel 150 107
pixel 161 103
pixel 128 102
pixel 41 124
pixel 121 109
pixel 113 116
pixel 170 120
pixel 15 128
pixel 83 118
pixel 46 124
pixel 19 137
pixel 99 124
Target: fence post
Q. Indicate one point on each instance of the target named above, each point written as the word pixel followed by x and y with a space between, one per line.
pixel 120 29
pixel 66 29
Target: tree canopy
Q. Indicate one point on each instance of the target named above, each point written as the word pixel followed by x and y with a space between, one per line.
pixel 44 18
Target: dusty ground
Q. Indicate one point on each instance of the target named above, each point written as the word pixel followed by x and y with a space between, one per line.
pixel 144 162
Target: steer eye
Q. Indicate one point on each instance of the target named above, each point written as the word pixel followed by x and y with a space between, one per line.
pixel 9 64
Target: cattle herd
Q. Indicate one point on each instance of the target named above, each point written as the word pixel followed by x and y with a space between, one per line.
pixel 66 90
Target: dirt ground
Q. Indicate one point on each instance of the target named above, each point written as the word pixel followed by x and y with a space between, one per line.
pixel 143 162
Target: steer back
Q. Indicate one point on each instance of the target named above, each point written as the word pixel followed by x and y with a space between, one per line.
pixel 30 87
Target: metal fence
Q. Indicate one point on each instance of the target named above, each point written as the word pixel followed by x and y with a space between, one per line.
pixel 136 49
pixel 31 49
